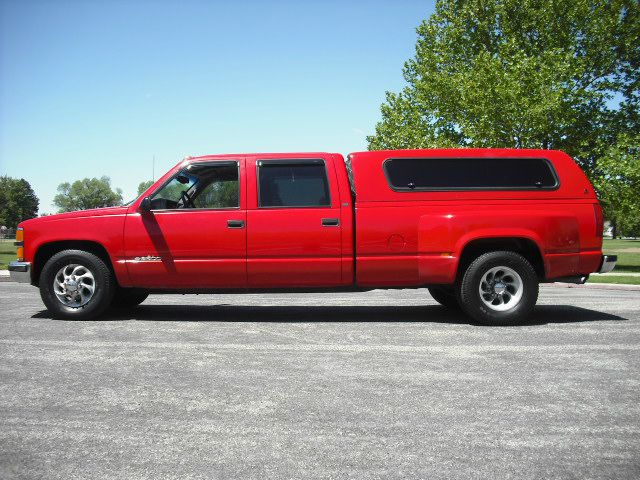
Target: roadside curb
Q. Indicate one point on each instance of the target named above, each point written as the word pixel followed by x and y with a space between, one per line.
pixel 600 286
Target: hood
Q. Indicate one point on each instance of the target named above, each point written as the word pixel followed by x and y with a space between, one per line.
pixel 94 212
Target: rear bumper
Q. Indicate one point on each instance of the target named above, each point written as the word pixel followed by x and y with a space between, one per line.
pixel 608 263
pixel 20 272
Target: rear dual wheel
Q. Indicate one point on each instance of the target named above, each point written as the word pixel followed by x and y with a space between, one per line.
pixel 445 296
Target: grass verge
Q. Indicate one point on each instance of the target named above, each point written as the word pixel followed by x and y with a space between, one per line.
pixel 628 261
pixel 7 253
pixel 609 244
pixel 620 279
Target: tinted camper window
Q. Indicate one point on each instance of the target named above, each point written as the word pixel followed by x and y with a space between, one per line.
pixel 470 174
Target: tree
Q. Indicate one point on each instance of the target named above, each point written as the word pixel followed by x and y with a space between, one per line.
pixel 142 186
pixel 18 201
pixel 87 193
pixel 618 184
pixel 561 74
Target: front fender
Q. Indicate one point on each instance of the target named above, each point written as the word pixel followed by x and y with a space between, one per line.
pixel 105 231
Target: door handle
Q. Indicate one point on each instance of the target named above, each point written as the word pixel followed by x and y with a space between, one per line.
pixel 330 222
pixel 235 223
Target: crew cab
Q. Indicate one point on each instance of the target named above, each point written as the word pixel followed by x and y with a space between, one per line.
pixel 480 228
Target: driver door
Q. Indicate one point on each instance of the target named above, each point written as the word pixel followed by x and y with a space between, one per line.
pixel 194 236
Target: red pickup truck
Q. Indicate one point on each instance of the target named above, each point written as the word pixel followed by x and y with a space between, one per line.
pixel 480 228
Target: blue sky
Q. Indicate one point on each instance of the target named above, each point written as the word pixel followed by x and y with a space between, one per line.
pixel 92 88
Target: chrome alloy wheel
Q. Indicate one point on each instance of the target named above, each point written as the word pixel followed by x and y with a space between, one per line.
pixel 501 288
pixel 74 285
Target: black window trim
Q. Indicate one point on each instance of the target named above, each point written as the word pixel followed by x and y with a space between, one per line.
pixel 289 162
pixel 220 163
pixel 556 185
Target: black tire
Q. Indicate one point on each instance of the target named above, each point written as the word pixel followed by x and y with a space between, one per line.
pixel 480 270
pixel 102 279
pixel 445 296
pixel 128 297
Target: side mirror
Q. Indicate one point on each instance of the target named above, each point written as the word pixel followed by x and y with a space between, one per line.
pixel 145 204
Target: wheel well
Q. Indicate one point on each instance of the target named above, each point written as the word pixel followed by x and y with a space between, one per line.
pixel 525 247
pixel 46 251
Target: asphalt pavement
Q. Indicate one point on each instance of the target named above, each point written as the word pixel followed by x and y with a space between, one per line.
pixel 385 384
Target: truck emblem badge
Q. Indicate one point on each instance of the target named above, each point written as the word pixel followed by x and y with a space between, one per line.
pixel 148 258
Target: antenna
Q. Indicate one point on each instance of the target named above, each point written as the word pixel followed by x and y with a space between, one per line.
pixel 153 169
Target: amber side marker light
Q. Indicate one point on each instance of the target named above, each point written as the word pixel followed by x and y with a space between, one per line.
pixel 20 244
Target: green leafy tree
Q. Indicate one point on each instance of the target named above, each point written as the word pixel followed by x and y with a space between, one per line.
pixel 87 193
pixel 18 201
pixel 142 186
pixel 553 74
pixel 618 185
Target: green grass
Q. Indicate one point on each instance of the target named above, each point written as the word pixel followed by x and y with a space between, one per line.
pixel 7 253
pixel 621 279
pixel 627 261
pixel 617 244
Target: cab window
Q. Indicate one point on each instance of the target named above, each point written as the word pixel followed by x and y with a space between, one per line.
pixel 297 183
pixel 203 186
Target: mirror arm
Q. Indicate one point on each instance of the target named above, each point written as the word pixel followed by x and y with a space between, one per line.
pixel 145 205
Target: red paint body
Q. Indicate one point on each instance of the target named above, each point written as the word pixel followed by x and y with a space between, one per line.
pixel 401 239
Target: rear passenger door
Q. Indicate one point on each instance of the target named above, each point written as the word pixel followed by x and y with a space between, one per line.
pixel 293 223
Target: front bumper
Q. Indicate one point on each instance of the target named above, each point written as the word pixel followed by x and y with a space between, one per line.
pixel 608 263
pixel 20 272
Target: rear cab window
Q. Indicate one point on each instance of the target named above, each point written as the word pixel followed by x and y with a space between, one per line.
pixel 470 173
pixel 293 184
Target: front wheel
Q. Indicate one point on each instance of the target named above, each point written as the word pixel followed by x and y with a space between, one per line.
pixel 76 285
pixel 499 288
